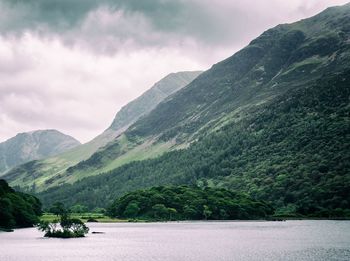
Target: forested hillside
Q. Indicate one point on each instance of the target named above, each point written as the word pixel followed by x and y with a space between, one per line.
pixel 293 152
pixel 271 121
pixel 17 209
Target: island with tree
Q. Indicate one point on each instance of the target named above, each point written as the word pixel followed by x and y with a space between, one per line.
pixel 63 227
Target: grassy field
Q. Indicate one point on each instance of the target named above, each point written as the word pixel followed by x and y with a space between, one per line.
pixel 84 217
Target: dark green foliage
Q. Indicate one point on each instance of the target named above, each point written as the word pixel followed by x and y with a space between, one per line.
pixel 58 209
pixel 99 210
pixel 17 209
pixel 78 209
pixel 72 228
pixel 183 202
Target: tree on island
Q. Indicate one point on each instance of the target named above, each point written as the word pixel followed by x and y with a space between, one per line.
pixel 66 227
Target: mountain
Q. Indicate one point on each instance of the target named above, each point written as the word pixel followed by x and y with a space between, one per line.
pixel 28 146
pixel 271 121
pixel 52 171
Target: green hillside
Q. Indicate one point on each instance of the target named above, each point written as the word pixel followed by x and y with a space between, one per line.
pixel 41 174
pixel 271 121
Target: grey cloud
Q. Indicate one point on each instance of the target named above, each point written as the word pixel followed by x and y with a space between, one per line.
pixel 132 23
pixel 167 20
pixel 65 14
pixel 35 14
pixel 150 22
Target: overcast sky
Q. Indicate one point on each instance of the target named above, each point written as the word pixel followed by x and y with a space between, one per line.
pixel 71 64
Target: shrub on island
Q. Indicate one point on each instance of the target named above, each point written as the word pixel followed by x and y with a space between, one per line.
pixel 66 227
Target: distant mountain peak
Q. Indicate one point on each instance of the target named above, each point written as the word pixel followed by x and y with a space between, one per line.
pixel 36 144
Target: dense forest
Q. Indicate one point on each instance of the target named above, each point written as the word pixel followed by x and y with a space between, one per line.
pixel 191 203
pixel 17 209
pixel 292 152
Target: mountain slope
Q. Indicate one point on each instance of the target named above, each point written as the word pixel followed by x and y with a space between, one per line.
pixel 52 170
pixel 151 98
pixel 33 145
pixel 292 151
pixel 285 57
pixel 271 121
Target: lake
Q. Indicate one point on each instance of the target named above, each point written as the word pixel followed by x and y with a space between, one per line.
pixel 182 241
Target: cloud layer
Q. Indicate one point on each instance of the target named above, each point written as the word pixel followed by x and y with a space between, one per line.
pixel 70 65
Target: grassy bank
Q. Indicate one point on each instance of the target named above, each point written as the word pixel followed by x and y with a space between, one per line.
pixel 85 217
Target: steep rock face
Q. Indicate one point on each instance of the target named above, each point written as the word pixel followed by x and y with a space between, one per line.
pixel 50 171
pixel 271 121
pixel 33 145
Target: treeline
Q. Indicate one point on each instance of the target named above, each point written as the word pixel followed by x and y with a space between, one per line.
pixel 188 203
pixel 17 209
pixel 293 152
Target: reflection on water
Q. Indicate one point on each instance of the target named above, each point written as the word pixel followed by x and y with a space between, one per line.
pixel 204 241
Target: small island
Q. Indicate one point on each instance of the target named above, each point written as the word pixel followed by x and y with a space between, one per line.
pixel 65 227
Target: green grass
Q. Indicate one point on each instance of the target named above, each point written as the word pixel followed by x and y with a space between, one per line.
pixel 84 217
pixel 144 151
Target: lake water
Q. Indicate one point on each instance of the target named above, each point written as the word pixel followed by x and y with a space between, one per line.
pixel 202 241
